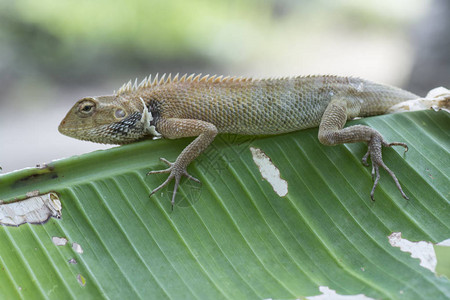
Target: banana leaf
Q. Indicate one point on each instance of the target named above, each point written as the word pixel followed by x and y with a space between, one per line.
pixel 233 236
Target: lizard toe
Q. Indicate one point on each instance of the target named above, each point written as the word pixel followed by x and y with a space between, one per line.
pixel 190 177
pixel 166 161
pixel 375 178
pixel 365 157
pixel 168 170
pixel 398 144
pixel 163 184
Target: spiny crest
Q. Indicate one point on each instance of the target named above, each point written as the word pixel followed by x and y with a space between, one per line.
pixel 149 82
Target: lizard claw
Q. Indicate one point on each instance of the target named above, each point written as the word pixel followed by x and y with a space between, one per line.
pixel 374 150
pixel 176 171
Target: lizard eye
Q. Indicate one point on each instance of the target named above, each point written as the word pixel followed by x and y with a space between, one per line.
pixel 86 107
pixel 120 114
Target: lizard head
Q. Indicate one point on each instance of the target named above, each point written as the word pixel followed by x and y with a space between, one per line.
pixel 107 120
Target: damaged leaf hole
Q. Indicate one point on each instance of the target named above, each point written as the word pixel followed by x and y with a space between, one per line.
pixel 81 280
pixel 59 241
pixel 422 250
pixel 35 209
pixel 269 171
pixel 77 248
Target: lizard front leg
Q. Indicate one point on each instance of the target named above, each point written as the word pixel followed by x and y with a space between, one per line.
pixel 173 128
pixel 331 132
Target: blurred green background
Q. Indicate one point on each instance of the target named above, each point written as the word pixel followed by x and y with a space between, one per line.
pixel 54 52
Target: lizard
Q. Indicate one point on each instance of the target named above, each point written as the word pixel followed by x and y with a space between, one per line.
pixel 204 106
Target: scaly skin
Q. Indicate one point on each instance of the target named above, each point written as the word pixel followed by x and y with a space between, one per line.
pixel 204 107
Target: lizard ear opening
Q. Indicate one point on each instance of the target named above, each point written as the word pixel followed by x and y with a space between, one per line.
pixel 86 107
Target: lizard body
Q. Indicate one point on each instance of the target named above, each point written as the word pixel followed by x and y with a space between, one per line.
pixel 205 106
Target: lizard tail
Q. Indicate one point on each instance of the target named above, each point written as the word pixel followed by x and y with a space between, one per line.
pixel 437 99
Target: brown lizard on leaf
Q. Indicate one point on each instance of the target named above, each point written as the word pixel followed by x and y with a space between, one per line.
pixel 202 107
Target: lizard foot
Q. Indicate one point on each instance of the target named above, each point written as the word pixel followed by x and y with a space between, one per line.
pixel 176 171
pixel 374 151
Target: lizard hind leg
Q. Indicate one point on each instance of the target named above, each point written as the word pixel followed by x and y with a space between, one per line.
pixel 331 132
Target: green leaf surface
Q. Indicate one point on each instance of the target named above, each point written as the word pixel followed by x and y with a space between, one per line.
pixel 233 236
pixel 443 258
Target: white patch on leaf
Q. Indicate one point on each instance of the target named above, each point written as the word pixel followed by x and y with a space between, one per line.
pixel 77 248
pixel 329 294
pixel 269 172
pixel 59 241
pixel 34 210
pixel 424 251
